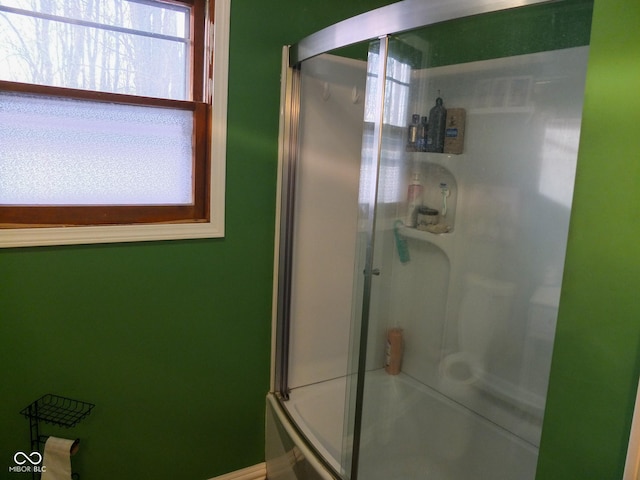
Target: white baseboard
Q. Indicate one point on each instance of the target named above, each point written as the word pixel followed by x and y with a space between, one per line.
pixel 256 472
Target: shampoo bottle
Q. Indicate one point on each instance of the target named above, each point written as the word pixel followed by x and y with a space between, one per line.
pixel 412 133
pixel 423 130
pixel 393 354
pixel 437 125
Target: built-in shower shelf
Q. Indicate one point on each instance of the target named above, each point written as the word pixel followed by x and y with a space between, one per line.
pixel 450 161
pixel 441 240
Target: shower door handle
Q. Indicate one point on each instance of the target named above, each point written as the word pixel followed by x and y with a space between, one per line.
pixel 375 271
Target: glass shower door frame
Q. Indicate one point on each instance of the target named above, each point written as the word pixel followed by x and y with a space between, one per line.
pixel 359 326
pixel 287 152
pixel 377 24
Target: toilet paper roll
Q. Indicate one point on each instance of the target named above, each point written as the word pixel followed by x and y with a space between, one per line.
pixel 56 464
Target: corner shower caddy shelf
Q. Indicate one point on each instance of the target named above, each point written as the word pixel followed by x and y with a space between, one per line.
pixel 54 410
pixel 450 161
pixel 440 240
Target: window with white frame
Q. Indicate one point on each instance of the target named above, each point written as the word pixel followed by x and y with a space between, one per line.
pixel 106 113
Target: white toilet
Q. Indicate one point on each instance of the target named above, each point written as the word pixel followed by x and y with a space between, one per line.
pixel 483 320
pixel 484 312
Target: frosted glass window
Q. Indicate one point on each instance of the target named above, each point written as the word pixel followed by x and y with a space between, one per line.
pixel 104 45
pixel 72 152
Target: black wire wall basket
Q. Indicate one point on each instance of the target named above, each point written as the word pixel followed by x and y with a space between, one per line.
pixel 57 410
pixel 54 410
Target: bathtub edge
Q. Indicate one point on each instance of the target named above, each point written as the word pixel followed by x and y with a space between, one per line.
pixel 304 454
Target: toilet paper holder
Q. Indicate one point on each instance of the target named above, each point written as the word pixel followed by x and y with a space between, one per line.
pixel 75 446
pixel 55 410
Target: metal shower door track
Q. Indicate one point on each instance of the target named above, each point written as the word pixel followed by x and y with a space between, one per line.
pixel 395 18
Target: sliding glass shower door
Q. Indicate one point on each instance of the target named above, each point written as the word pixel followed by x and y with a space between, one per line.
pixel 320 238
pixel 427 184
pixel 465 200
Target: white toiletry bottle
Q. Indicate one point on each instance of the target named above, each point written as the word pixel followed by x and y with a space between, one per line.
pixel 414 199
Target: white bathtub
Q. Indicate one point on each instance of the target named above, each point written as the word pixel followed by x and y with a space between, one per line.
pixel 409 431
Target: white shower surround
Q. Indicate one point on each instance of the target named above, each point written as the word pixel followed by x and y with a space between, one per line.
pixel 502 412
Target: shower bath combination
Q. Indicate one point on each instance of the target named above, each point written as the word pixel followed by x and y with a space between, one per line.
pixel 469 293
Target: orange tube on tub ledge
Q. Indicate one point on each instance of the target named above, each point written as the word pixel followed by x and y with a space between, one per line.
pixel 393 357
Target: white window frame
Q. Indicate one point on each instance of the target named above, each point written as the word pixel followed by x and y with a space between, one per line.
pixel 213 228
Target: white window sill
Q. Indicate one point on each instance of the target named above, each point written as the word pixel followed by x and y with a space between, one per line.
pixel 30 237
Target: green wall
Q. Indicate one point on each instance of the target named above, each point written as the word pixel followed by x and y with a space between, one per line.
pixel 171 339
pixel 596 365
